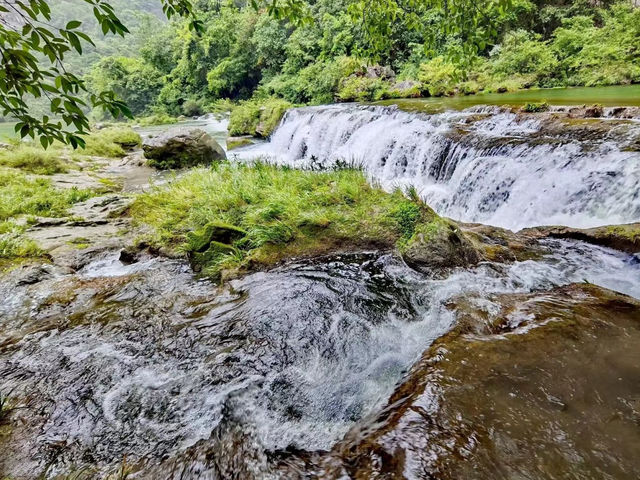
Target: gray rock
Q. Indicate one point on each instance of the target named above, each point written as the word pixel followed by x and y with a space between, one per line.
pixel 440 245
pixel 182 147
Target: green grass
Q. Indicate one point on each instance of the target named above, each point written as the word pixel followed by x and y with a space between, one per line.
pixel 157 119
pixel 34 196
pixel 238 217
pixel 31 197
pixel 110 142
pixel 14 245
pixel 33 159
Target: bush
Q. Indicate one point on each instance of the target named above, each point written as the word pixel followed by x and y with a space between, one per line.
pixel 362 89
pixel 533 107
pixel 191 108
pixel 438 76
pixel 257 118
pixel 524 54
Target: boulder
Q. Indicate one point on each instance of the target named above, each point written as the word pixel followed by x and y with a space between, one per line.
pixel 439 244
pixel 182 147
pixel 381 72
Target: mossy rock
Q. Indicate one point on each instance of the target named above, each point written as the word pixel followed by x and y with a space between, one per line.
pixel 214 251
pixel 200 240
pixel 237 142
pixel 439 244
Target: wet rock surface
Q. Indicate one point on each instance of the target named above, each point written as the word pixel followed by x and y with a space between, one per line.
pixel 625 238
pixel 544 386
pixel 182 147
pixel 190 380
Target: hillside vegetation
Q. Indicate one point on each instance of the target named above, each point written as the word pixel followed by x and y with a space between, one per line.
pixel 245 54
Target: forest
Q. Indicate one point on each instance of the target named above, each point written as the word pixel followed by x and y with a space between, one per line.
pixel 242 54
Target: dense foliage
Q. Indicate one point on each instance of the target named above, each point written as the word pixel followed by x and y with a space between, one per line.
pixel 243 53
pixel 313 51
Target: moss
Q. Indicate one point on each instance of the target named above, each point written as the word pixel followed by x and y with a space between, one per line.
pixel 237 142
pixel 535 107
pixel 263 214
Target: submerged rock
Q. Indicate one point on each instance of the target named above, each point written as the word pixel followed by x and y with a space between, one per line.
pixel 544 388
pixel 182 147
pixel 625 238
pixel 439 244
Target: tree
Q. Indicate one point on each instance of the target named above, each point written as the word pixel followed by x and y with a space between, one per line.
pixel 33 49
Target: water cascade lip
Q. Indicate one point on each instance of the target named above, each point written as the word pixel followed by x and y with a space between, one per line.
pixel 484 164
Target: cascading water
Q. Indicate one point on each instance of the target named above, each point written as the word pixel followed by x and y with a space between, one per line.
pixel 189 380
pixel 484 165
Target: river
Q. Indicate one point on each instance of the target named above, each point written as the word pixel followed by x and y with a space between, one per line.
pixel 288 373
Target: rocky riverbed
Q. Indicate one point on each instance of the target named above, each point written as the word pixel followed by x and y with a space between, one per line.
pixel 519 361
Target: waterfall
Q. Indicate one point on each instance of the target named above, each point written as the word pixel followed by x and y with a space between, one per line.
pixel 484 164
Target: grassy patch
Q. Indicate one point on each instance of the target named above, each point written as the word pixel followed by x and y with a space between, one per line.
pixel 110 142
pixel 157 119
pixel 28 196
pixel 14 245
pixel 234 217
pixel 535 107
pixel 33 159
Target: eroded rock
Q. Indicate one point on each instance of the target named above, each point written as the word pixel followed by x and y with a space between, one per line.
pixel 625 238
pixel 546 387
pixel 182 147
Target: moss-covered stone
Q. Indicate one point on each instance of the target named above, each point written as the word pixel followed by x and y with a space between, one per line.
pixel 439 244
pixel 181 148
pixel 199 240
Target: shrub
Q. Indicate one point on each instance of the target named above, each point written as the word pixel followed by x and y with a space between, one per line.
pixel 257 118
pixel 524 54
pixel 438 76
pixel 191 108
pixel 533 107
pixel 362 89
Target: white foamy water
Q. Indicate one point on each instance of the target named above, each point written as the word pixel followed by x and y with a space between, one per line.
pixel 499 170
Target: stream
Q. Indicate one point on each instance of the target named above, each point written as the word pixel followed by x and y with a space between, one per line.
pixel 278 374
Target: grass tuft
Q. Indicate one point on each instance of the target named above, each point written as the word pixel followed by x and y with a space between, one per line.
pixel 33 159
pixel 22 195
pixel 111 142
pixel 274 213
